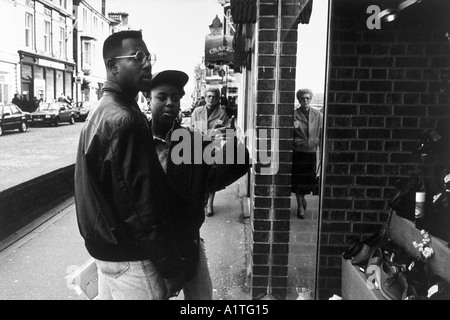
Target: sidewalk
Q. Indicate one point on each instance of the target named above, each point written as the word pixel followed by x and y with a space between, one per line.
pixel 35 261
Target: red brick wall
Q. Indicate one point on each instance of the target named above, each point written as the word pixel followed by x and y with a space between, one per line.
pixel 385 88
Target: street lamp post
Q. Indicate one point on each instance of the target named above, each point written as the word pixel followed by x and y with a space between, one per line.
pixel 224 73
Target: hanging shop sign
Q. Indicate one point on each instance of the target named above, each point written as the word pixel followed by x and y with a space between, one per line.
pixel 218 49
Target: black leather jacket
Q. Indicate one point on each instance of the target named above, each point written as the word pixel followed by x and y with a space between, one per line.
pixel 192 181
pixel 122 195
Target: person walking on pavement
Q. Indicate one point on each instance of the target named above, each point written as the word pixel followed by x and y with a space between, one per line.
pixel 16 99
pixel 123 198
pixel 307 139
pixel 206 119
pixel 191 178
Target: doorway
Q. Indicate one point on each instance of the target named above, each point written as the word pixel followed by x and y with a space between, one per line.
pixel 304 233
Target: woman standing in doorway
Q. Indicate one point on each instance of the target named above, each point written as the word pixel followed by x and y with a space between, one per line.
pixel 307 138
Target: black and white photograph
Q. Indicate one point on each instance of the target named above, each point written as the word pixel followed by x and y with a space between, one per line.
pixel 225 150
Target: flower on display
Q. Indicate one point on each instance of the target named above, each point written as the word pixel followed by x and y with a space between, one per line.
pixel 424 247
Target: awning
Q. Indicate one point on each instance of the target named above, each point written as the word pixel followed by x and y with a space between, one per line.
pixel 305 11
pixel 243 11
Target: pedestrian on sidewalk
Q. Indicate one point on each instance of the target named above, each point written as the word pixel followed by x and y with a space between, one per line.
pixel 191 178
pixel 307 141
pixel 208 119
pixel 123 197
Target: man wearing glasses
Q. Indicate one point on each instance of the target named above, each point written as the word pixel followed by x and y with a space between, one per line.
pixel 122 194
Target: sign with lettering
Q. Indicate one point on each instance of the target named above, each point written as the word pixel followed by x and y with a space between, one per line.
pixel 219 49
pixel 51 64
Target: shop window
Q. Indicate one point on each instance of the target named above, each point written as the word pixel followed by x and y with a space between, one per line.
pixel 27 72
pixel 4 93
pixel 68 83
pixel 38 72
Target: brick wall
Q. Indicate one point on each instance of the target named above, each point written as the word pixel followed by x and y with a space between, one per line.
pixel 385 88
pixel 274 110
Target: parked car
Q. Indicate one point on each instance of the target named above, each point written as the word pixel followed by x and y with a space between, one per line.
pixel 12 118
pixel 84 108
pixel 52 113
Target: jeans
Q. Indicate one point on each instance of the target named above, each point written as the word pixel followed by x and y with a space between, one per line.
pixel 139 280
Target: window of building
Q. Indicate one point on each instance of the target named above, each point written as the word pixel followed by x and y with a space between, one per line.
pixel 95 25
pixel 47 32
pixel 87 54
pixel 29 30
pixel 62 43
pixel 85 20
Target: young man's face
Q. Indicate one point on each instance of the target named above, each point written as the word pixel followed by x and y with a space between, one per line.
pixel 131 74
pixel 165 102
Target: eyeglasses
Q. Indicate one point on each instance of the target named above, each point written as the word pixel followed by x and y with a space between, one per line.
pixel 141 57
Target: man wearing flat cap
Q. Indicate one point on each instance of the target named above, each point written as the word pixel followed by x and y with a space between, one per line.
pixel 192 178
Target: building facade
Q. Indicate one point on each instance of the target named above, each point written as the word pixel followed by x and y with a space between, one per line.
pixel 55 48
pixel 45 48
pixel 9 80
pixel 91 28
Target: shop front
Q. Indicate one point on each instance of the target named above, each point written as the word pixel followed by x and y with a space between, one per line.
pixel 7 74
pixel 45 78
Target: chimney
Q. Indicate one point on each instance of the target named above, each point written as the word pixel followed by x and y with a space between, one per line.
pixel 104 8
pixel 125 19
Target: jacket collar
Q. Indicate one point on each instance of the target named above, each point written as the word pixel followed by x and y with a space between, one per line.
pixel 168 138
pixel 116 89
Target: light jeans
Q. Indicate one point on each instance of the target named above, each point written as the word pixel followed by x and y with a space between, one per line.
pixel 139 280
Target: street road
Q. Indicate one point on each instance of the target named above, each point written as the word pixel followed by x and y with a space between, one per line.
pixel 38 151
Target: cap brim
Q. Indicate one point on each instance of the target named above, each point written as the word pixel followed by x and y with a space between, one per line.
pixel 173 77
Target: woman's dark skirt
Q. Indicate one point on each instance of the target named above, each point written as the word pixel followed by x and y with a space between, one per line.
pixel 303 172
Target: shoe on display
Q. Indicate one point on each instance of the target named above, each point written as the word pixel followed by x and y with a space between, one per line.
pixel 438 289
pixel 352 250
pixel 398 257
pixel 356 247
pixel 390 286
pixel 363 256
pixel 418 277
pixel 372 271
